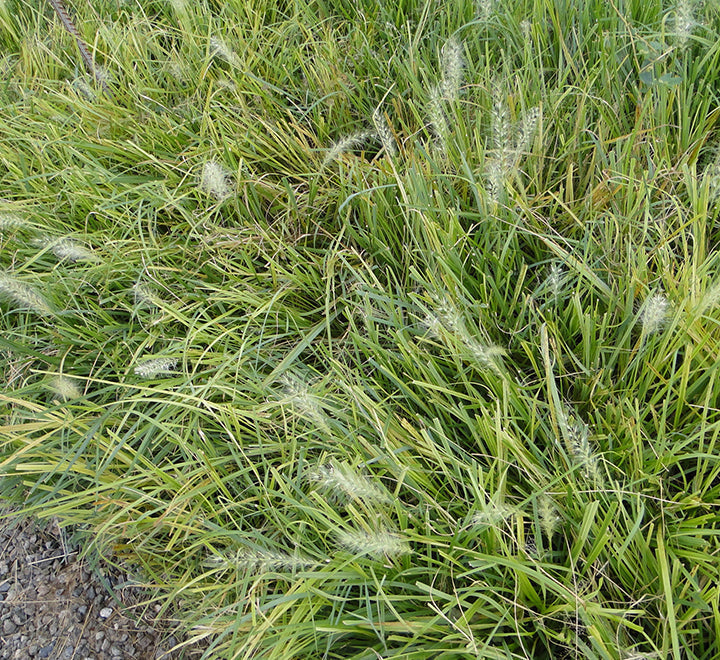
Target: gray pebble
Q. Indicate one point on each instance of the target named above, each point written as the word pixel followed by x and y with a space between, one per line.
pixel 18 618
pixel 46 650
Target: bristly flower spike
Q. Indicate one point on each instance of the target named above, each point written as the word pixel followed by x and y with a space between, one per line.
pixel 453 64
pixel 65 388
pixel 67 249
pixel 377 543
pixel 484 10
pixel 215 180
pixel 384 133
pixel 260 561
pixel 24 297
pixel 346 144
pixel 11 221
pixel 436 115
pixel 156 367
pixel 345 482
pixel 654 314
pixel 683 22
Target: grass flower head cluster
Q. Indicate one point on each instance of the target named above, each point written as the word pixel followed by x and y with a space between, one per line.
pixel 22 296
pixel 216 181
pixel 377 543
pixel 655 314
pixel 67 249
pixel 345 482
pixel 155 367
pixel 508 146
pixel 65 388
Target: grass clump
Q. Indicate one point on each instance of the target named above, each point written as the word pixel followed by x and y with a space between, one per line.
pixel 399 333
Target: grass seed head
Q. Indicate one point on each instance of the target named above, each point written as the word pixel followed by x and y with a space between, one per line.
pixel 493 515
pixel 156 367
pixel 216 180
pixel 345 482
pixel 453 64
pixel 484 10
pixel 179 7
pixel 384 133
pixel 436 115
pixel 500 124
pixel 11 222
pixel 711 174
pixel 378 543
pixel 218 48
pixel 65 388
pixel 145 296
pixel 577 439
pixel 495 177
pixel 67 249
pixel 526 29
pixel 23 296
pixel 526 131
pixel 303 400
pixel 549 518
pixel 448 315
pixel 346 144
pixel 683 22
pixel 484 357
pixel 555 280
pixel 261 561
pixel 655 314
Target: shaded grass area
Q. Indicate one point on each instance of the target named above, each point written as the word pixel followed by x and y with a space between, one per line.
pixel 385 331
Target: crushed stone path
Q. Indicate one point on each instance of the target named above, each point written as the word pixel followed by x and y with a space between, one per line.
pixel 52 606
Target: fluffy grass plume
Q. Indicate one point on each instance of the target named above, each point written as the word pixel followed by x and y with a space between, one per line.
pixel 220 49
pixel 377 543
pixel 576 435
pixel 508 145
pixel 345 482
pixel 493 515
pixel 655 313
pixel 348 143
pixel 384 133
pixel 683 22
pixel 67 249
pixel 145 295
pixel 452 69
pixel 260 561
pixel 155 367
pixel 11 221
pixel 484 10
pixel 22 296
pixel 216 181
pixel 65 388
pixel 436 114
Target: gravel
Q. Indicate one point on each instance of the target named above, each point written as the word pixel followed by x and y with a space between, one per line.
pixel 52 605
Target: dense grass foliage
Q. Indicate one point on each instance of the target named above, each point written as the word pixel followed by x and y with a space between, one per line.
pixel 388 332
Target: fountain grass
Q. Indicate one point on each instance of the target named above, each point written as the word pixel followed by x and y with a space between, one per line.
pixel 400 331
